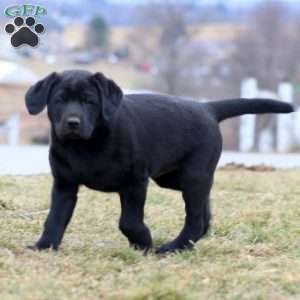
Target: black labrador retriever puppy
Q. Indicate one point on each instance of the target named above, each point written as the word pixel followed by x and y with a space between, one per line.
pixel 112 142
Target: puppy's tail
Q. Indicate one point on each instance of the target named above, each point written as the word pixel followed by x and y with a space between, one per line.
pixel 225 109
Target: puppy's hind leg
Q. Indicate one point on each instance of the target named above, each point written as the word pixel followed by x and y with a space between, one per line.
pixel 196 183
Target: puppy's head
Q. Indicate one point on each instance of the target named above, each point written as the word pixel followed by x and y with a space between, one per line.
pixel 77 102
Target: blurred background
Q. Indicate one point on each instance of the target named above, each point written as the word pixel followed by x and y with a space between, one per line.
pixel 201 49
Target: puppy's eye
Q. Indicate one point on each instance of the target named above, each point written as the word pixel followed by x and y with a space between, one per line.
pixel 59 100
pixel 90 102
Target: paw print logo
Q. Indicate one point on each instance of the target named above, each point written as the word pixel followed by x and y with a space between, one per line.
pixel 24 34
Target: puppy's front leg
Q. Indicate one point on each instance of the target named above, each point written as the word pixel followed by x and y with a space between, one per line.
pixel 64 198
pixel 132 216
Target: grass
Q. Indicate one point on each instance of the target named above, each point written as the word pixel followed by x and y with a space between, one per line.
pixel 251 252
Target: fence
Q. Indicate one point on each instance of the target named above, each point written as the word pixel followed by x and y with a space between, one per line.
pixel 288 125
pixel 11 130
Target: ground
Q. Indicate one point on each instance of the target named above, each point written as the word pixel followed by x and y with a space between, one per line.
pixel 251 252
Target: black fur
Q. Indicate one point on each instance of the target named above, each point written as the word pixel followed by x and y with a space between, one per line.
pixel 112 142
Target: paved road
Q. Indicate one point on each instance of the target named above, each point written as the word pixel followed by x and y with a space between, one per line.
pixel 30 160
pixel 24 160
pixel 282 161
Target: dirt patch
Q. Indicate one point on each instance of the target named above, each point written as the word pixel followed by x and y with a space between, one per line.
pixel 257 168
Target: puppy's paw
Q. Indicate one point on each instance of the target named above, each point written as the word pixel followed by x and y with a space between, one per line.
pixel 141 247
pixel 141 241
pixel 173 247
pixel 43 245
pixel 166 248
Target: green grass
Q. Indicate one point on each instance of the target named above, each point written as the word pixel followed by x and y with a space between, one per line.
pixel 251 252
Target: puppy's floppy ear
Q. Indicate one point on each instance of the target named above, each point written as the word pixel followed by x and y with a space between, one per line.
pixel 109 93
pixel 38 95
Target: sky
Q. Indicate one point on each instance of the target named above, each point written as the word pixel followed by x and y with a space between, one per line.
pixel 205 2
pixel 230 2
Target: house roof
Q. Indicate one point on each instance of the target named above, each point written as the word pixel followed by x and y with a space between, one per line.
pixel 15 74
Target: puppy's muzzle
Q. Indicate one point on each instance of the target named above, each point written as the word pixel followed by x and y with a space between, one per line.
pixel 73 123
pixel 72 127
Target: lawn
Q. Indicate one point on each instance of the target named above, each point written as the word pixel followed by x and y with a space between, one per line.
pixel 251 252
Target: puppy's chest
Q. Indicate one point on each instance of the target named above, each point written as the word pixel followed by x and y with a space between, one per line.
pixel 97 171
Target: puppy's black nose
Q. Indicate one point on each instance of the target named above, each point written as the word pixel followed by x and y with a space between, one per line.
pixel 73 122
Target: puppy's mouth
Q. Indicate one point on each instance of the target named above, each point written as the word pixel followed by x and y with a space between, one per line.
pixel 71 135
pixel 65 134
pixel 74 135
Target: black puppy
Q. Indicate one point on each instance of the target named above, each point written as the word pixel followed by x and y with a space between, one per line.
pixel 112 142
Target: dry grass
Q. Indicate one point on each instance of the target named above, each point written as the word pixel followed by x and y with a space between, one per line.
pixel 251 252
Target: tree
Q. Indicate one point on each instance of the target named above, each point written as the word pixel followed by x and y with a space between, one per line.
pixel 267 50
pixel 173 39
pixel 98 33
pixel 167 43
